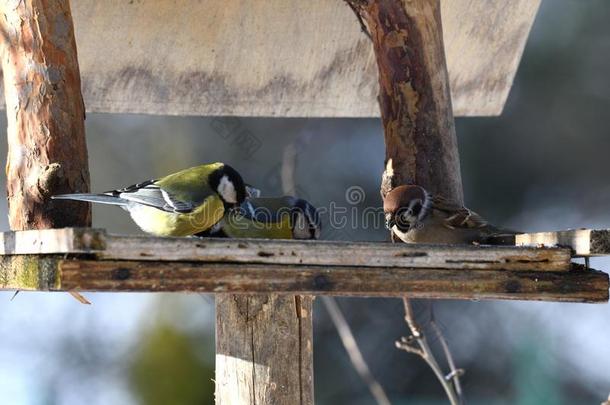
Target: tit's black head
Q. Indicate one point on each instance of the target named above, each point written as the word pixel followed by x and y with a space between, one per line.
pixel 229 185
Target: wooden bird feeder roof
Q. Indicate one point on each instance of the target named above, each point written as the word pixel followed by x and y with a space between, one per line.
pixel 289 58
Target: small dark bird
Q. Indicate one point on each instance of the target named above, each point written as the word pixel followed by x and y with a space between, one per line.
pixel 270 218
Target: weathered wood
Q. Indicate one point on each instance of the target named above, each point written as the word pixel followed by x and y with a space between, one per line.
pixel 29 272
pixel 51 241
pixel 414 98
pixel 288 252
pixel 278 58
pixel 583 242
pixel 264 349
pixel 60 274
pixel 45 113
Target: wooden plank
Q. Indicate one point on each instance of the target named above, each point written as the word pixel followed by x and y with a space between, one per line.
pixel 578 285
pixel 335 253
pixel 52 241
pixel 583 242
pixel 288 252
pixel 264 349
pixel 277 57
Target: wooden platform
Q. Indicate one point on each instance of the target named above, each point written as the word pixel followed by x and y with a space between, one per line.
pixel 83 259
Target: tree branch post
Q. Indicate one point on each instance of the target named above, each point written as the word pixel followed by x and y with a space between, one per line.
pixel 414 98
pixel 47 152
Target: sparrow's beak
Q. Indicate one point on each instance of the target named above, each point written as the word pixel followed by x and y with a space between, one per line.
pixel 389 222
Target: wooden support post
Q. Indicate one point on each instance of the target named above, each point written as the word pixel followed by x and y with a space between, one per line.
pixel 45 113
pixel 421 146
pixel 264 349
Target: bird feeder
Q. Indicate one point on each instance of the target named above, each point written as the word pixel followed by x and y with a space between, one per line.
pixel 280 58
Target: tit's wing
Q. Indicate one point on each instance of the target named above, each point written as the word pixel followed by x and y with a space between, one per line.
pixel 150 193
pixel 187 189
pixel 457 216
pixel 146 193
pixel 179 192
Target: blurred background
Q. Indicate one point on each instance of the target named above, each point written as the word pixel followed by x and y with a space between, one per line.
pixel 542 165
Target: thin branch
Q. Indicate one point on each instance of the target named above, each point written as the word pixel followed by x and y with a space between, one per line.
pixel 454 372
pixel 417 344
pixel 79 297
pixel 355 356
pixel 289 163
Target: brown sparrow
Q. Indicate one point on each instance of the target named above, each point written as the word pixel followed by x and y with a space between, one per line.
pixel 415 216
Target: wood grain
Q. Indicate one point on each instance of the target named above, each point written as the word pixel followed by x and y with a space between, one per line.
pixel 277 57
pixel 583 242
pixel 414 98
pixel 578 285
pixel 264 349
pixel 288 252
pixel 47 153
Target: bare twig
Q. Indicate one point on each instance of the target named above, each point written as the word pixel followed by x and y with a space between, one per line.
pixel 355 356
pixel 289 163
pixel 80 298
pixel 454 372
pixel 417 344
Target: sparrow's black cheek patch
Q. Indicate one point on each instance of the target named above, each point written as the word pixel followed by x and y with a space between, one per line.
pixel 401 222
pixel 416 209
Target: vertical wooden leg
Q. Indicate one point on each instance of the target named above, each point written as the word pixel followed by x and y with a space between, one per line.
pixel 264 350
pixel 45 114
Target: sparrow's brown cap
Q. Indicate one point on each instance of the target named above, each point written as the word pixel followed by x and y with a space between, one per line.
pixel 401 196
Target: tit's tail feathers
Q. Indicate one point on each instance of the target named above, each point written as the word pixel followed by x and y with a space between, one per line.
pixel 94 198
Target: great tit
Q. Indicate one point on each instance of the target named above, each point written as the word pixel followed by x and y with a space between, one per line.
pixel 271 218
pixel 180 204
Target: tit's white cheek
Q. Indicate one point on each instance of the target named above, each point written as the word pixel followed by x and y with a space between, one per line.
pixel 227 190
pixel 301 228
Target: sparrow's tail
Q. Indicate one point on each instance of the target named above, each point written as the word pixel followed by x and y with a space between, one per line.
pixel 95 198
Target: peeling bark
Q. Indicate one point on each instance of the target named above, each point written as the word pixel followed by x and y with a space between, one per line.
pixel 47 151
pixel 414 98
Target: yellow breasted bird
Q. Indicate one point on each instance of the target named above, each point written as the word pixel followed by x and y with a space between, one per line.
pixel 180 204
pixel 271 218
